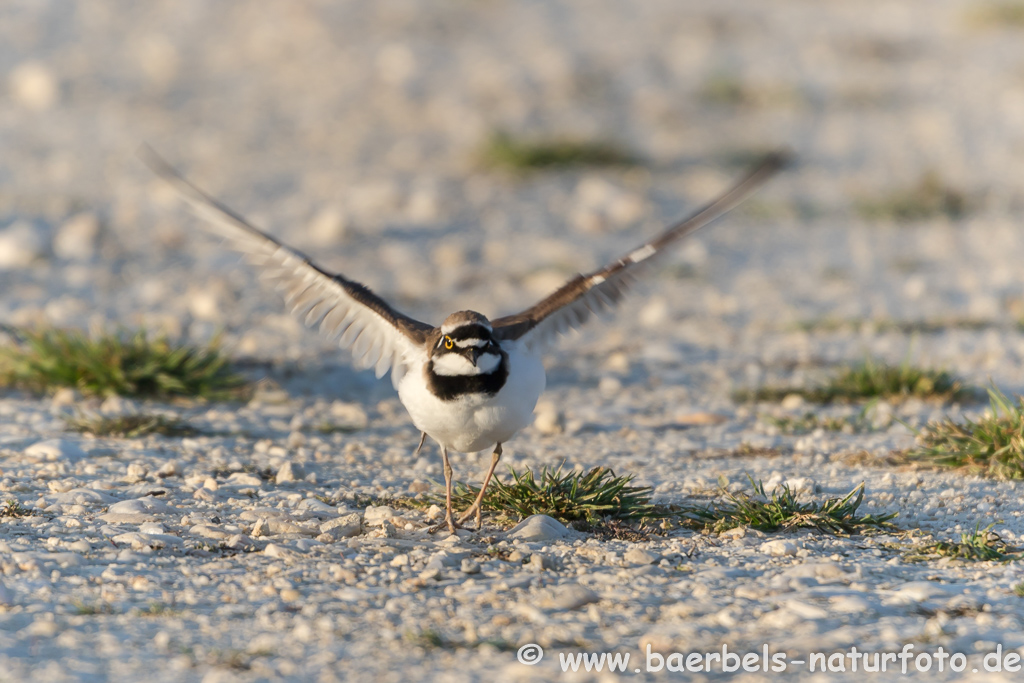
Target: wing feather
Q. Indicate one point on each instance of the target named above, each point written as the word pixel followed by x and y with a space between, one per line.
pixel 378 335
pixel 577 300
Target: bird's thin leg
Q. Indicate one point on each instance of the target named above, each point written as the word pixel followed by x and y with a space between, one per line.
pixel 477 505
pixel 449 519
pixel 447 490
pixel 423 437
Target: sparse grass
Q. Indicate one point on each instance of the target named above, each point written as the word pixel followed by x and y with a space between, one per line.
pixel 130 426
pixel 158 609
pixel 992 445
pixel 617 530
pixel 928 198
pixel 116 363
pixel 937 326
pixel 867 380
pixel 980 545
pixel 727 89
pixel 997 15
pixel 809 422
pixel 85 609
pixel 506 152
pixel 1018 589
pixel 781 511
pixel 428 639
pixel 12 508
pixel 565 496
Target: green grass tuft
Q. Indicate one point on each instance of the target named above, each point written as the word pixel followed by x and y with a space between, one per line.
pixel 980 545
pixel 867 380
pixel 117 364
pixel 781 511
pixel 809 422
pixel 1018 589
pixel 503 151
pixel 928 198
pixel 130 426
pixel 992 445
pixel 13 508
pixel 567 497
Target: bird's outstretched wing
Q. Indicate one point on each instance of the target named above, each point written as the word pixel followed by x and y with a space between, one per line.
pixel 575 301
pixel 377 335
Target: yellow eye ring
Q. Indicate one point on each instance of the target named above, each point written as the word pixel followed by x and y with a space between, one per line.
pixel 448 343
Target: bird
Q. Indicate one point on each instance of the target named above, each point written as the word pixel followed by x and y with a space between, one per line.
pixel 472 382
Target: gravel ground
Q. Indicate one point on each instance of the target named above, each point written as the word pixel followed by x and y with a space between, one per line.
pixel 352 131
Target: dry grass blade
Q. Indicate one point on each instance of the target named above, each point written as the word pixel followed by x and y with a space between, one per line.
pixel 992 445
pixel 781 511
pixel 116 363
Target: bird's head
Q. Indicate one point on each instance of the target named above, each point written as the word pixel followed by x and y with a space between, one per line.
pixel 466 346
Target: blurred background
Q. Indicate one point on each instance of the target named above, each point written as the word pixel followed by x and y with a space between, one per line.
pixel 475 154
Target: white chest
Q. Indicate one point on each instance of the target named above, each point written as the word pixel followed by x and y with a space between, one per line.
pixel 473 422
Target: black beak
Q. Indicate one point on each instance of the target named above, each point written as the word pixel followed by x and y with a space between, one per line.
pixel 475 352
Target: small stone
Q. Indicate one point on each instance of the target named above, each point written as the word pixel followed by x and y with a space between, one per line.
pixel 343 527
pixel 375 514
pixel 328 226
pixel 20 244
pixel 470 566
pixel 243 479
pixel 295 440
pixel 778 548
pixel 147 505
pixel 640 556
pixel 434 513
pixel 168 469
pixel 792 402
pixel 573 596
pixel 76 237
pixel 539 528
pixel 516 556
pixel 42 628
pixel 274 550
pixel 290 595
pixel 419 487
pixel 33 86
pixel 539 562
pixel 54 449
pixel 549 420
pixel 65 396
pixel 289 472
pixel 136 472
pixel 400 560
pixel 348 416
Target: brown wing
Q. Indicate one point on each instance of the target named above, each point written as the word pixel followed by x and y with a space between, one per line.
pixel 573 304
pixel 378 335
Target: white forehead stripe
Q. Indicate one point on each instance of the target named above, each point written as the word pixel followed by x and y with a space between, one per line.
pixel 642 253
pixel 448 329
pixel 466 343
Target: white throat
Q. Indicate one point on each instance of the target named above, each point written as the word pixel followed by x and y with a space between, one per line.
pixel 454 365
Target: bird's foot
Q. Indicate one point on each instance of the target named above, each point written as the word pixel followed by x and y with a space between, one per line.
pixel 448 522
pixel 474 510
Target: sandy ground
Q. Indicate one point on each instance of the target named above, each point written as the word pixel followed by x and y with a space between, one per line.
pixel 352 131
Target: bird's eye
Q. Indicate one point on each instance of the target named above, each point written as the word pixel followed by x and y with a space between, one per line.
pixel 448 343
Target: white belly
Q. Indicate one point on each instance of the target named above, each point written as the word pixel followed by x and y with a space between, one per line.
pixel 473 423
